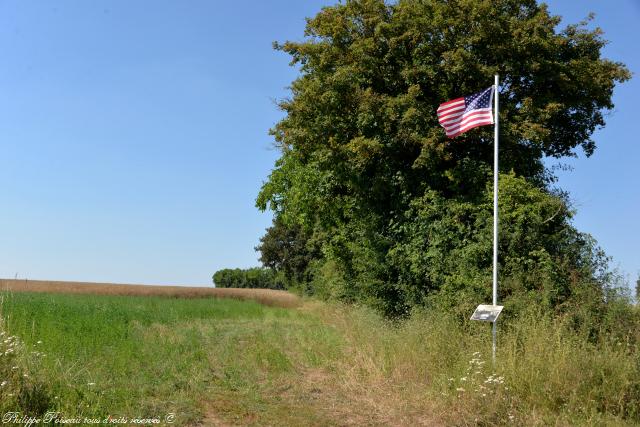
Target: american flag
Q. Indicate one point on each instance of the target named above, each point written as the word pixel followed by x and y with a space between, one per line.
pixel 461 114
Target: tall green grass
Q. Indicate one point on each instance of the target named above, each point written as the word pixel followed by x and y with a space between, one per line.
pixel 130 356
pixel 546 372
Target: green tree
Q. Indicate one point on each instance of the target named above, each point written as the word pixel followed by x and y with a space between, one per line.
pixel 288 249
pixel 256 278
pixel 360 140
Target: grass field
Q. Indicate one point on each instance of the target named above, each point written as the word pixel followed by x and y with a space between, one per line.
pixel 142 356
pixel 213 361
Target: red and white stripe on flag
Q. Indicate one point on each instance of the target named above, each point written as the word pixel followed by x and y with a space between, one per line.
pixel 461 114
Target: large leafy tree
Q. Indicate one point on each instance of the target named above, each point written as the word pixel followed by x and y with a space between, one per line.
pixel 360 142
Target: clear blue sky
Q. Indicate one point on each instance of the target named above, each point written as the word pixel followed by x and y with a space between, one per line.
pixel 133 136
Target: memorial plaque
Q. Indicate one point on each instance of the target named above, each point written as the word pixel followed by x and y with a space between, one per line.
pixel 487 313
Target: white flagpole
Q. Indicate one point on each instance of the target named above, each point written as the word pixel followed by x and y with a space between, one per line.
pixel 495 210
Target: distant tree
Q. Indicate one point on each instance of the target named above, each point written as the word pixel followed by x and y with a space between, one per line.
pixel 638 290
pixel 287 249
pixel 257 278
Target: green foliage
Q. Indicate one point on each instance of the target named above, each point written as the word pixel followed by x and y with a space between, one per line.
pixel 288 249
pixel 445 250
pixel 257 278
pixel 400 211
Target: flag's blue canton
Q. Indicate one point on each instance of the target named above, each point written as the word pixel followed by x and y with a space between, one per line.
pixel 478 100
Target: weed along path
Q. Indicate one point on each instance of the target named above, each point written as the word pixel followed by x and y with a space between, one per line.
pixel 193 361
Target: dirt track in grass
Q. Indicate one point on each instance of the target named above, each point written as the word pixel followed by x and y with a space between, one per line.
pixel 263 296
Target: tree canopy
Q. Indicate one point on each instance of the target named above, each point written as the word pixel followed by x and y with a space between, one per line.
pixel 367 172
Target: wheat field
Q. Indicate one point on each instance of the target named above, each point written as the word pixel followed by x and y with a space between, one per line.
pixel 264 296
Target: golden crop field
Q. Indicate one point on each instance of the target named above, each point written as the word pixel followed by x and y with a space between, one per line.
pixel 264 296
